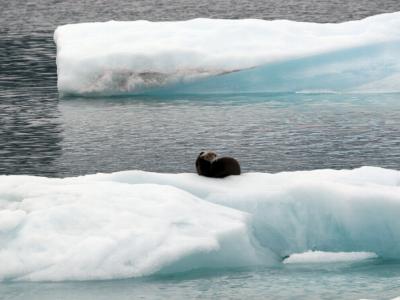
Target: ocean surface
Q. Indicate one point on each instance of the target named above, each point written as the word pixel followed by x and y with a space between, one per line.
pixel 44 135
pixel 41 134
pixel 371 280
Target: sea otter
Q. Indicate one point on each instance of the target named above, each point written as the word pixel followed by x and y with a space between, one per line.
pixel 209 165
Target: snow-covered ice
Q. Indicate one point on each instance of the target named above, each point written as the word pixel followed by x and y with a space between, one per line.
pixel 214 56
pixel 135 223
pixel 327 257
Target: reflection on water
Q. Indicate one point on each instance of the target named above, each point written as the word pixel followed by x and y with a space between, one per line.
pixel 265 132
pixel 29 138
pixel 29 125
pixel 41 135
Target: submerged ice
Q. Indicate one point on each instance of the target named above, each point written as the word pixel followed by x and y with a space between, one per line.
pixel 135 223
pixel 217 56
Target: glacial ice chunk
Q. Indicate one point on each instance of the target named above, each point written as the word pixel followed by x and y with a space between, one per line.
pixel 71 229
pixel 135 223
pixel 327 257
pixel 224 56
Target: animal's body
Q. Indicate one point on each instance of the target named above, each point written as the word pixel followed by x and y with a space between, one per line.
pixel 209 165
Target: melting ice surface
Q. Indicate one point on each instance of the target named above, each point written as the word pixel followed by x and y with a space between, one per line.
pixel 327 257
pixel 135 223
pixel 224 56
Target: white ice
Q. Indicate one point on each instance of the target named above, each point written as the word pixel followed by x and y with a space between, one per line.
pixel 133 57
pixel 327 257
pixel 135 223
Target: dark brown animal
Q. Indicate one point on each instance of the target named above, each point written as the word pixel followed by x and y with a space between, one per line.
pixel 209 165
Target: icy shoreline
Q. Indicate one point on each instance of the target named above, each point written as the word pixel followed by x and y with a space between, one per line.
pixel 135 223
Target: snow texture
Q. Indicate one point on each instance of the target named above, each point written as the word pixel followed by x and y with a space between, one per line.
pixel 225 56
pixel 327 257
pixel 135 223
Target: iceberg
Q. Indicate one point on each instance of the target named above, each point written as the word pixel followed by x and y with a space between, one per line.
pixel 136 223
pixel 203 56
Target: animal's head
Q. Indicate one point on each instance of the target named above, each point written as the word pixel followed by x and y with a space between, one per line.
pixel 208 155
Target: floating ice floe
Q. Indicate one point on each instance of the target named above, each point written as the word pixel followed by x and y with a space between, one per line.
pixel 228 56
pixel 135 223
pixel 327 257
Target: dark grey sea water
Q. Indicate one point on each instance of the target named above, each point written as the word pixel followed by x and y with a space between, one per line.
pixel 41 134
